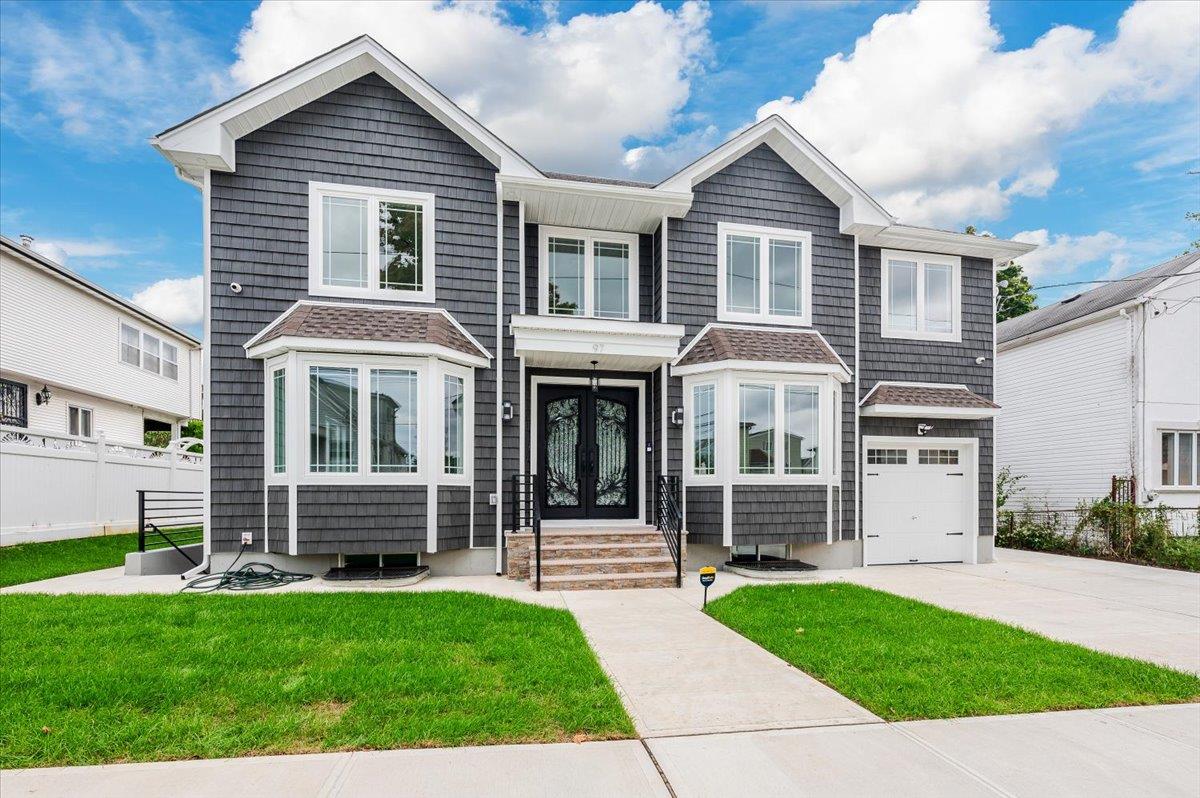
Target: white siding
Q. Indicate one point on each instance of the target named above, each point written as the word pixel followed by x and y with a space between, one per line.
pixel 1065 419
pixel 116 421
pixel 61 334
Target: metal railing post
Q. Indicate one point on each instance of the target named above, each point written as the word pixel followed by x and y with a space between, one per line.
pixel 141 520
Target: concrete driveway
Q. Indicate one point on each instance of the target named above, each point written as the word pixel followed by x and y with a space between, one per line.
pixel 1148 613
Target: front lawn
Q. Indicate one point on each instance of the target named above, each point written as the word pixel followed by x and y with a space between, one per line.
pixel 30 562
pixel 91 679
pixel 906 660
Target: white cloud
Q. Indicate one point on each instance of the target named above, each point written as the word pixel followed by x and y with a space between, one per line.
pixel 1062 255
pixel 567 95
pixel 655 161
pixel 931 114
pixel 104 77
pixel 60 250
pixel 177 300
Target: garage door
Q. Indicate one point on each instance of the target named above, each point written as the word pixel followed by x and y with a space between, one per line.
pixel 916 503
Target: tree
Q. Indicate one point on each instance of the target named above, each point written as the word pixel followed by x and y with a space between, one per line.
pixel 1014 292
pixel 1194 217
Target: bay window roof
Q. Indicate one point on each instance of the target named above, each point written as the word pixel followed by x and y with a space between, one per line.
pixel 730 346
pixel 338 327
pixel 927 400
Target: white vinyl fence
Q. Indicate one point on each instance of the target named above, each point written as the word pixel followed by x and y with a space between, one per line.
pixel 55 486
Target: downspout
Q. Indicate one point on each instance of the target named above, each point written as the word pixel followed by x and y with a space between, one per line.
pixel 205 187
pixel 499 376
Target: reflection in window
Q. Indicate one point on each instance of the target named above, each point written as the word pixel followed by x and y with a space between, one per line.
pixel 344 242
pixel 756 429
pixel 401 248
pixel 454 411
pixel 611 266
pixel 704 462
pixel 279 429
pixel 741 267
pixel 566 276
pixel 333 419
pixel 938 298
pixel 902 295
pixel 786 265
pixel 800 407
pixel 393 421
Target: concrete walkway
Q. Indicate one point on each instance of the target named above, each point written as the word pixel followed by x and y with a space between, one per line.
pixel 1113 752
pixel 680 672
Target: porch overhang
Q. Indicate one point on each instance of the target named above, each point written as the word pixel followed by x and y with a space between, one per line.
pixel 573 342
pixel 601 206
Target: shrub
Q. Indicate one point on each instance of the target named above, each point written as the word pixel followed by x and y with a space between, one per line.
pixel 159 439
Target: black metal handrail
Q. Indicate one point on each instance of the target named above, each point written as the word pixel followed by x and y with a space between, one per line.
pixel 670 521
pixel 180 511
pixel 527 514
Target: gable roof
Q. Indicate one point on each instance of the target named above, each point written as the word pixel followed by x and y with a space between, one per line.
pixel 13 248
pixel 208 140
pixel 1104 297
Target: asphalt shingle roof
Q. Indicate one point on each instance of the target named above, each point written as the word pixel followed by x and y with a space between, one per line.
pixel 926 396
pixel 1108 295
pixel 401 325
pixel 787 346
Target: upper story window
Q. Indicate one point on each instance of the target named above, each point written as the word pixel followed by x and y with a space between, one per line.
pixel 370 242
pixel 147 351
pixel 921 296
pixel 588 273
pixel 764 274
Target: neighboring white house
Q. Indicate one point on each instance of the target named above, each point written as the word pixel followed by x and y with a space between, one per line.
pixel 1102 384
pixel 84 374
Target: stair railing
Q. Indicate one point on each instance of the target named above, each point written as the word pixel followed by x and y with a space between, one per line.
pixel 527 514
pixel 670 521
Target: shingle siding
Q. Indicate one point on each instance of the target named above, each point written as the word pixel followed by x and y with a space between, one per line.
pixel 779 514
pixel 453 516
pixel 761 189
pixel 277 519
pixel 705 514
pixel 365 133
pixel 907 360
pixel 361 519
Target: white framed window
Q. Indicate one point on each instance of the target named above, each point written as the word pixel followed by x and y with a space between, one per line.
pixel 454 412
pixel 279 421
pixel 587 273
pixel 704 429
pixel 921 296
pixel 764 274
pixel 1179 452
pixel 148 351
pixel 370 242
pixel 333 416
pixel 79 421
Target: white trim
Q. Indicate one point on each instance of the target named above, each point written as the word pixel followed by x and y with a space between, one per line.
pixel 270 367
pixel 352 346
pixel 970 541
pixel 765 236
pixel 906 384
pixel 91 423
pixel 590 238
pixel 542 379
pixel 208 140
pixel 141 349
pixel 497 410
pixel 1161 428
pixel 434 422
pixel 923 260
pixel 575 341
pixel 206 356
pixel 521 256
pixel 857 391
pixel 601 206
pixel 373 197
pixel 922 239
pixel 928 411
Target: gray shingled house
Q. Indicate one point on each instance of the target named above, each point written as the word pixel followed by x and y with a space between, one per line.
pixel 417 337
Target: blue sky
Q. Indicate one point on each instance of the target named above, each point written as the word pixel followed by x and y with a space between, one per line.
pixel 1073 125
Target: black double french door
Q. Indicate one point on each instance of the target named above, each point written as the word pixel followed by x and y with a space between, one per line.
pixel 586 452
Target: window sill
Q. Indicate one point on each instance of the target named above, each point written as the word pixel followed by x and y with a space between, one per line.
pixel 914 335
pixel 765 318
pixel 377 294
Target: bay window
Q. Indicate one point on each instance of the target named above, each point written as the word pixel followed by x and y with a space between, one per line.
pixel 704 430
pixel 756 429
pixel 588 273
pixel 764 274
pixel 279 421
pixel 333 422
pixel 921 296
pixel 393 421
pixel 371 242
pixel 454 417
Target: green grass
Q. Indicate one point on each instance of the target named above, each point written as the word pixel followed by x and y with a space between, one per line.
pixel 906 660
pixel 92 679
pixel 29 562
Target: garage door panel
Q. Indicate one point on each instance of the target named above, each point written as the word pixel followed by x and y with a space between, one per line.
pixel 916 504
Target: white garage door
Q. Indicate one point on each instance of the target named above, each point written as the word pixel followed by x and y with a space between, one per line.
pixel 917 502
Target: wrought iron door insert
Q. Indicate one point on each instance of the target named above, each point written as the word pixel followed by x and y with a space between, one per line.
pixel 586 447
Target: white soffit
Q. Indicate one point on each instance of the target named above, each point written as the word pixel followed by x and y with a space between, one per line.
pixel 922 239
pixel 598 206
pixel 208 140
pixel 574 342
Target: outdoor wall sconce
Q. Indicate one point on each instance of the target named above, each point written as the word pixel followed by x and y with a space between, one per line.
pixel 506 411
pixel 923 428
pixel 677 417
pixel 595 379
pixel 42 397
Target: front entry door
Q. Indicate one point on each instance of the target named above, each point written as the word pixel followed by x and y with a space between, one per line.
pixel 586 446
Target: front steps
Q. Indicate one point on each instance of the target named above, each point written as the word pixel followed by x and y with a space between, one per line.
pixel 591 558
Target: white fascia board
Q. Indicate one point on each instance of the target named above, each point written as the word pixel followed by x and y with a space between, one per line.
pixel 582 336
pixel 858 209
pixel 571 203
pixel 927 411
pixel 581 325
pixel 208 140
pixel 839 373
pixel 289 343
pixel 920 239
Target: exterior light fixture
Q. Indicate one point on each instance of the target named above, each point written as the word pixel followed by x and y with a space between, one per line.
pixel 506 411
pixel 595 380
pixel 42 397
pixel 677 416
pixel 922 429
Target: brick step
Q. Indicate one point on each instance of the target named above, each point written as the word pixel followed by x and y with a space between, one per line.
pixel 600 535
pixel 613 565
pixel 608 581
pixel 570 551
